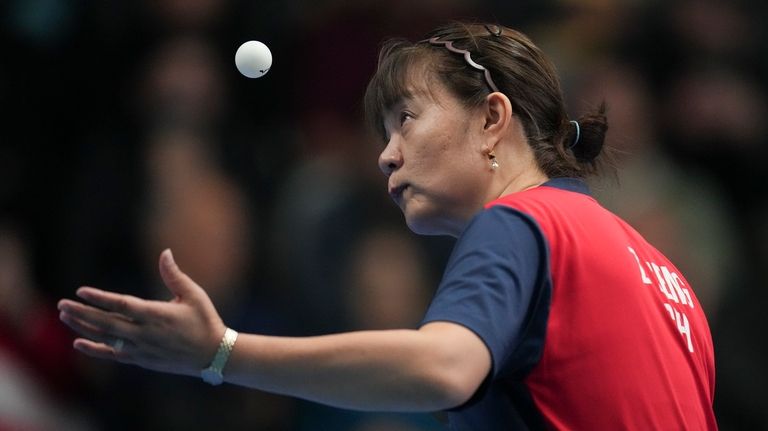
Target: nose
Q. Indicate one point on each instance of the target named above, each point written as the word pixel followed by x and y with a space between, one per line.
pixel 391 158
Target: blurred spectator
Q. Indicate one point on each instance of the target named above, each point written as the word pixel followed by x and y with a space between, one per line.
pixel 334 185
pixel 388 284
pixel 38 378
pixel 715 115
pixel 187 15
pixel 184 200
pixel 203 216
pixel 711 89
pixel 267 189
pixel 182 85
pixel 318 214
pixel 192 206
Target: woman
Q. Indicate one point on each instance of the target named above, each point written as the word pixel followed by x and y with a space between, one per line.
pixel 552 313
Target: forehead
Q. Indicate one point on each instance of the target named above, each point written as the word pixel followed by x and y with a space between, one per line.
pixel 413 77
pixel 418 94
pixel 419 85
pixel 406 73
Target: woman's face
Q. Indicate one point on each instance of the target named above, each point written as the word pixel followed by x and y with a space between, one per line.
pixel 434 159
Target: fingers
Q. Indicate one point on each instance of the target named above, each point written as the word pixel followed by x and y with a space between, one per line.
pixel 177 282
pixel 170 336
pixel 98 342
pixel 100 350
pixel 95 323
pixel 129 354
pixel 83 328
pixel 129 306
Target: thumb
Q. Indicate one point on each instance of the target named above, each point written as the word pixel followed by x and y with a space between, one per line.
pixel 177 282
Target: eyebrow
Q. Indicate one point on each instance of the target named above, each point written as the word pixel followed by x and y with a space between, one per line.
pixel 398 104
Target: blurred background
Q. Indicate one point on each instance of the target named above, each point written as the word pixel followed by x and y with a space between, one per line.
pixel 126 129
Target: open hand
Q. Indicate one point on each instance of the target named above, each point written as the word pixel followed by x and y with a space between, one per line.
pixel 179 336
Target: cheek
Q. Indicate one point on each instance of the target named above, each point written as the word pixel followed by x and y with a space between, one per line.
pixel 463 179
pixel 442 157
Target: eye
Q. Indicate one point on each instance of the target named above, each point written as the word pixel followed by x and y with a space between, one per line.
pixel 405 116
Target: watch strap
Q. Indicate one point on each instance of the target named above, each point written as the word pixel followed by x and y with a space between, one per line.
pixel 214 374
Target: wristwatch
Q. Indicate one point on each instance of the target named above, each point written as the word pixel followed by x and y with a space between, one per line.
pixel 214 373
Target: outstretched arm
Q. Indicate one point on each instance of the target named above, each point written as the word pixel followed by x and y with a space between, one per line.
pixel 436 367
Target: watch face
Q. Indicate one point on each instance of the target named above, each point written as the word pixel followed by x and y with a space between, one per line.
pixel 212 376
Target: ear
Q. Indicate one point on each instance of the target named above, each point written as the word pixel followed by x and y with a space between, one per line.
pixel 498 118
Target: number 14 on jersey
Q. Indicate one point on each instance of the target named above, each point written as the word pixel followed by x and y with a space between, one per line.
pixel 672 287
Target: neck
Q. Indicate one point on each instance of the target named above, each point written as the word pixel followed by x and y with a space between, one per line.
pixel 524 180
pixel 518 183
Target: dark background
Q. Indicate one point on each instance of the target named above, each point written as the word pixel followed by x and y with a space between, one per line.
pixel 126 129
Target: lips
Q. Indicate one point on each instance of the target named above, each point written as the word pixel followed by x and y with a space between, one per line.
pixel 396 192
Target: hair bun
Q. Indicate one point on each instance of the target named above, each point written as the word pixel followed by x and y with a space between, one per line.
pixel 593 127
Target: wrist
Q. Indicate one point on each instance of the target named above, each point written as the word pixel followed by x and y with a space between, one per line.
pixel 214 373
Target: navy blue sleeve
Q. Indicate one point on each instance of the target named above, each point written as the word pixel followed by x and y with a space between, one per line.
pixel 497 285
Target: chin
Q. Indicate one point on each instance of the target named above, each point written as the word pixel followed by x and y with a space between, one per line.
pixel 420 229
pixel 426 226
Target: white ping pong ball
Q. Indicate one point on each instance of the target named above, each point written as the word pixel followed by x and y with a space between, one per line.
pixel 253 59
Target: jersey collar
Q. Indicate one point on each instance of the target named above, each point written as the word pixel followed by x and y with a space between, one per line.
pixel 569 184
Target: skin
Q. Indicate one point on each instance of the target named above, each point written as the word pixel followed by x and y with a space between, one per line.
pixel 439 151
pixel 437 164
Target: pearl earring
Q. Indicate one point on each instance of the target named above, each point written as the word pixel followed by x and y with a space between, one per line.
pixel 494 162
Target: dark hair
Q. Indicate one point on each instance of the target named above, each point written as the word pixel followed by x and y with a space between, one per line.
pixel 517 67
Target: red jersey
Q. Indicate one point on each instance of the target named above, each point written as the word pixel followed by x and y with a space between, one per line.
pixel 588 325
pixel 627 344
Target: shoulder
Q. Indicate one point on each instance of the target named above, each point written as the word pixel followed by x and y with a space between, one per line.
pixel 496 223
pixel 500 236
